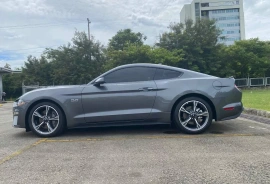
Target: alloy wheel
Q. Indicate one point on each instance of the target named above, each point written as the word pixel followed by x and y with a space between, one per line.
pixel 193 115
pixel 45 119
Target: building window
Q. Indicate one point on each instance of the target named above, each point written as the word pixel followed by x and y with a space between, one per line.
pixel 226 18
pixel 230 32
pixel 229 25
pixel 225 11
pixel 205 14
pixel 205 5
pixel 224 3
pixel 230 39
pixel 197 10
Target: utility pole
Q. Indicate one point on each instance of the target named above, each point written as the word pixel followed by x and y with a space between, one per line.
pixel 89 37
pixel 89 22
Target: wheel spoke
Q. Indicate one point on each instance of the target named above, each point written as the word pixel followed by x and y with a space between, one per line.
pixel 203 114
pixel 184 110
pixel 50 129
pixel 37 114
pixel 198 125
pixel 47 110
pixel 45 119
pixel 194 115
pixel 38 126
pixel 56 118
pixel 186 122
pixel 194 105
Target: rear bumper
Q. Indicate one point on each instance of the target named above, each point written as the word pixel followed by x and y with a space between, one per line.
pixel 231 111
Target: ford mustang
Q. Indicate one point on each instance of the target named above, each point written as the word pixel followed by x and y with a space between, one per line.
pixel 133 94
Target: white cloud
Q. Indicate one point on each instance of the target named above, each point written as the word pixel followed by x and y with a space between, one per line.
pixel 257 19
pixel 13 63
pixel 54 21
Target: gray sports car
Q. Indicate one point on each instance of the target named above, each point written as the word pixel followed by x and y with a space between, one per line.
pixel 134 94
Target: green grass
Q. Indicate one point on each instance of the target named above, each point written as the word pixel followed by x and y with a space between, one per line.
pixel 257 99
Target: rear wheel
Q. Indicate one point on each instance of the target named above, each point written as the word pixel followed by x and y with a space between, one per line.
pixel 46 120
pixel 193 115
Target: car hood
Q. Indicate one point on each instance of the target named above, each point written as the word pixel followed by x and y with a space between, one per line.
pixel 53 91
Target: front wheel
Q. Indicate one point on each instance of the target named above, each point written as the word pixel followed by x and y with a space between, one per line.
pixel 193 115
pixel 46 120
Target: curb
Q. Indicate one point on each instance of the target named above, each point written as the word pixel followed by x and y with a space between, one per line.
pixel 257 112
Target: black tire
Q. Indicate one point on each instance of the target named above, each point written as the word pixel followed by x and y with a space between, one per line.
pixel 57 130
pixel 184 116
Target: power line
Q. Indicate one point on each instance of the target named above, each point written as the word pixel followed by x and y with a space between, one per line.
pixel 79 22
pixel 37 25
pixel 29 48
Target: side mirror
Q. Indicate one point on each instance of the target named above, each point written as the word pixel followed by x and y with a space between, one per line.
pixel 99 81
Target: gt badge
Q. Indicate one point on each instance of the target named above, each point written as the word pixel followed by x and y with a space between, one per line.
pixel 74 100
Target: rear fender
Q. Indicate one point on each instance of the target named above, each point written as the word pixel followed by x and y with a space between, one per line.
pixel 223 83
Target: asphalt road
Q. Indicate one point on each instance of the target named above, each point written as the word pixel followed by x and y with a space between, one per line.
pixel 235 151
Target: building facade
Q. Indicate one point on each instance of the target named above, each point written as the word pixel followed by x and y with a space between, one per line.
pixel 229 15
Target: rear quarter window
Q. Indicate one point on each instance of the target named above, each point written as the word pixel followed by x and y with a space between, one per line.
pixel 166 74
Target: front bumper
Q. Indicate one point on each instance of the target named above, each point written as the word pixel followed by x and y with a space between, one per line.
pixel 18 116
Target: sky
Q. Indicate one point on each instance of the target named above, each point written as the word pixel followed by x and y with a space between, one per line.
pixel 27 27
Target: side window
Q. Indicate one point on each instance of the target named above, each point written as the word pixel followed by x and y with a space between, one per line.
pixel 166 74
pixel 131 74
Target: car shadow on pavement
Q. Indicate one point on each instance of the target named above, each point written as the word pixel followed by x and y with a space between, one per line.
pixel 215 128
pixel 24 135
pixel 145 130
pixel 120 130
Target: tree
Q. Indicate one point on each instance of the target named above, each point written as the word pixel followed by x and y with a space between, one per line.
pixel 78 62
pixel 142 54
pixel 12 84
pixel 37 71
pixel 7 66
pixel 199 42
pixel 248 58
pixel 124 38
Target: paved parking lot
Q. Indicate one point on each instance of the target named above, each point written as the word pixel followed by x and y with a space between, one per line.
pixel 235 151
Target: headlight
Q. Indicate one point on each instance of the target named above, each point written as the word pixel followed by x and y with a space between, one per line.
pixel 21 102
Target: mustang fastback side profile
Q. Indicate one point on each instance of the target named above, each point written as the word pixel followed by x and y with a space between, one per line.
pixel 133 94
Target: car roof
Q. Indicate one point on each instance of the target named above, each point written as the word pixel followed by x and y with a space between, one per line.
pixel 149 65
pixel 165 67
pixel 188 73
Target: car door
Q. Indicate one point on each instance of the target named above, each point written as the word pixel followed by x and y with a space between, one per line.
pixel 128 94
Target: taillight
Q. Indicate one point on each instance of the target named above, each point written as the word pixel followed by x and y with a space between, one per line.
pixel 228 108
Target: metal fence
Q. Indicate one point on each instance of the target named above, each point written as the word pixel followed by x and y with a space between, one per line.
pixel 253 82
pixel 27 88
pixel 241 82
pixel 267 79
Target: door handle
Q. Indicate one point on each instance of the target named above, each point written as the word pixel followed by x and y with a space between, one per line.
pixel 150 89
pixel 146 89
